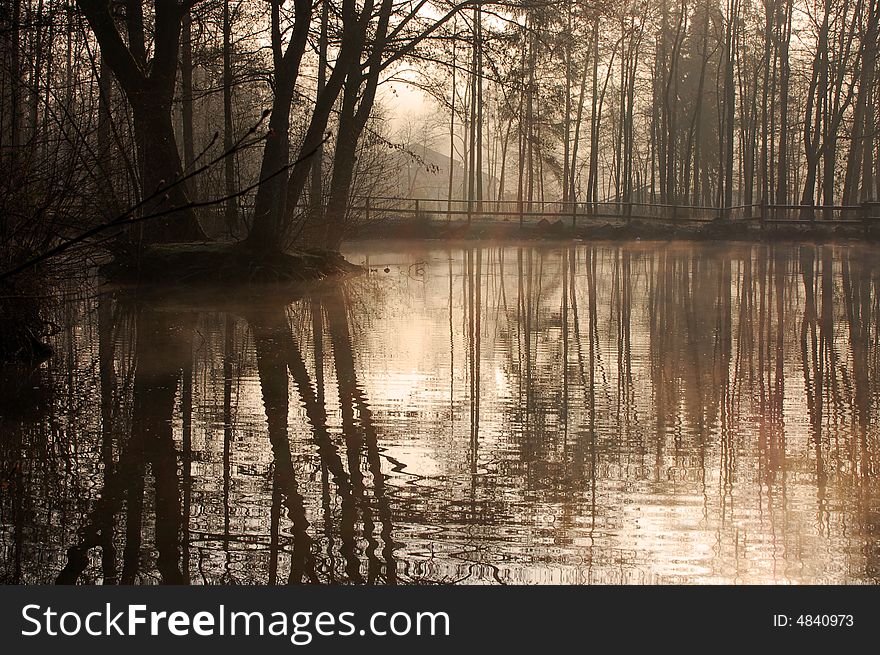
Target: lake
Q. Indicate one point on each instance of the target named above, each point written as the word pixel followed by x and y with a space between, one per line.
pixel 591 413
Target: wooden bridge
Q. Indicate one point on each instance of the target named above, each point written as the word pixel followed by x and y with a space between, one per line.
pixel 432 212
pixel 581 214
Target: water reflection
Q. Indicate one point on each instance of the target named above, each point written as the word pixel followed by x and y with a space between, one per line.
pixel 614 413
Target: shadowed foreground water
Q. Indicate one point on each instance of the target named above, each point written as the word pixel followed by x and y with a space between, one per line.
pixel 603 413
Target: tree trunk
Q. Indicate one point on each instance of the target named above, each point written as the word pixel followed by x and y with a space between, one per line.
pixel 353 117
pixel 784 76
pixel 160 171
pixel 10 136
pixel 150 98
pixel 859 160
pixel 343 163
pixel 186 87
pixel 231 206
pixel 316 192
pixel 271 202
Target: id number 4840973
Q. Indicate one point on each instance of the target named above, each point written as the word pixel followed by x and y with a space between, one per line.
pixel 813 621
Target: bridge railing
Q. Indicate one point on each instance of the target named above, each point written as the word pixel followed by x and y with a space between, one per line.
pixel 457 211
pixel 805 214
pixel 438 211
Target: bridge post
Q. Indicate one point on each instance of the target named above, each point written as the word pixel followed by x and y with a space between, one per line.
pixel 870 214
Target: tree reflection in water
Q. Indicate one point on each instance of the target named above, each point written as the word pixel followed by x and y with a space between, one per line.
pixel 595 413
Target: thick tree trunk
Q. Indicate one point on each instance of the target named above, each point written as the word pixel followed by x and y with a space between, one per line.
pixel 281 190
pixel 150 98
pixel 161 170
pixel 270 206
pixel 269 202
pixel 353 117
pixel 343 165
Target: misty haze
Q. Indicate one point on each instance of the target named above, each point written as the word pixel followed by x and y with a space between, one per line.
pixel 439 292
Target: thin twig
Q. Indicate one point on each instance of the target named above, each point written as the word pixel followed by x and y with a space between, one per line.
pixel 123 222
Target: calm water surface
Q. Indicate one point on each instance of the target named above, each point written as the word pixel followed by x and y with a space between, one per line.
pixel 598 413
